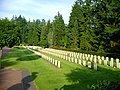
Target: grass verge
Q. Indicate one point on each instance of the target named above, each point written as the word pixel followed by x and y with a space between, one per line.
pixel 47 77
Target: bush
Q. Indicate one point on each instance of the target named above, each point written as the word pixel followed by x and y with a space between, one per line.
pixel 106 85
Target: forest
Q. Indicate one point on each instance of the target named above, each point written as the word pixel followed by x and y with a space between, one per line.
pixel 94 26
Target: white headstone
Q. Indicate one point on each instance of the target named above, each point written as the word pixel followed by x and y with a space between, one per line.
pixel 84 63
pixel 88 55
pixel 87 58
pixel 76 60
pixel 72 59
pixel 66 57
pixel 100 61
pixel 80 62
pixel 95 60
pixel 98 57
pixel 91 56
pixel 58 64
pixel 77 56
pixel 91 59
pixel 117 63
pixel 83 57
pixel 111 62
pixel 55 62
pixel 105 62
pixel 69 58
pixel 89 65
pixel 95 66
pixel 103 58
pixel 107 58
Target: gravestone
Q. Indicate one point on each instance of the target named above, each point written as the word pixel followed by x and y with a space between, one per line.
pixel 103 58
pixel 95 60
pixel 95 66
pixel 55 62
pixel 111 62
pixel 117 63
pixel 66 57
pixel 58 64
pixel 87 58
pixel 88 55
pixel 105 62
pixel 84 63
pixel 72 59
pixel 89 65
pixel 76 60
pixel 83 57
pixel 98 57
pixel 91 59
pixel 69 58
pixel 107 58
pixel 100 61
pixel 80 62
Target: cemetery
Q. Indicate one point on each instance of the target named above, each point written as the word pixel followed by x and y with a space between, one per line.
pixel 59 69
pixel 77 48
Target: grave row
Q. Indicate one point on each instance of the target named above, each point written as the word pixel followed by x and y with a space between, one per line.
pixel 74 60
pixel 49 59
pixel 93 58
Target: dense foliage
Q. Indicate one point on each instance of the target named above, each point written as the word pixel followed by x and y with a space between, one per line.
pixel 94 25
pixel 106 85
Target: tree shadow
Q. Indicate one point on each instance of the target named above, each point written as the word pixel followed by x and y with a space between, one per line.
pixel 81 79
pixel 16 87
pixel 28 81
pixel 28 58
pixel 5 63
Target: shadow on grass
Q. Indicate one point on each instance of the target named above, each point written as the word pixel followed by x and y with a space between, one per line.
pixel 28 58
pixel 5 63
pixel 81 79
pixel 18 53
pixel 28 81
pixel 34 75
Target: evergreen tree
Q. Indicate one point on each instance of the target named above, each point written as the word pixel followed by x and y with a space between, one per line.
pixel 87 39
pixel 58 30
pixel 74 25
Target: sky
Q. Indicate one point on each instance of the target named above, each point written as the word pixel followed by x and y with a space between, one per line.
pixel 36 9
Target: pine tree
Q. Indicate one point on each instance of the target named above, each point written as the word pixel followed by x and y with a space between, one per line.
pixel 58 30
pixel 74 25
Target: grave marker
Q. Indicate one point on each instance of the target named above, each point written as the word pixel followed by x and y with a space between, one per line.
pixel 84 63
pixel 58 64
pixel 95 66
pixel 89 65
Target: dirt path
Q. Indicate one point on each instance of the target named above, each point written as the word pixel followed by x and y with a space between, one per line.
pixel 5 51
pixel 15 79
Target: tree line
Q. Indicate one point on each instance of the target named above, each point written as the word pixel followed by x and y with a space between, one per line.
pixel 94 25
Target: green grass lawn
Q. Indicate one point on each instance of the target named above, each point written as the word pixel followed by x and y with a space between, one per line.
pixel 48 77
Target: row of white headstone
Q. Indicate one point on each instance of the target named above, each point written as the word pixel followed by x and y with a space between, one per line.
pixel 85 63
pixel 93 58
pixel 51 60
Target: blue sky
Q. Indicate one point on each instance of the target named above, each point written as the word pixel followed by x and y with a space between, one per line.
pixel 36 9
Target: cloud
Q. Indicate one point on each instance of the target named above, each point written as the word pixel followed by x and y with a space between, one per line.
pixel 37 9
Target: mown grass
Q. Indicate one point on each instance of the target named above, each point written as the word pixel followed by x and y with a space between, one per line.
pixel 48 77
